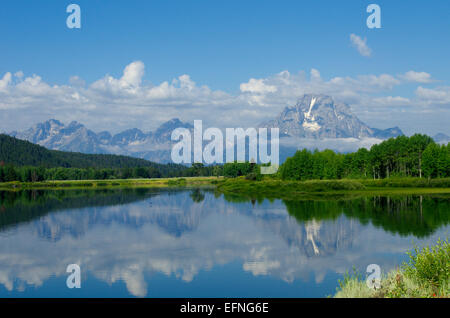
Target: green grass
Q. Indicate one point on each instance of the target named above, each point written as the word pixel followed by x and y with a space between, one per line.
pixel 425 275
pixel 129 183
pixel 269 187
pixel 280 186
pixel 284 189
pixel 407 182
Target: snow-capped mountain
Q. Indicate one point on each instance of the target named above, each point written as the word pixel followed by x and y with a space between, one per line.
pixel 153 146
pixel 318 116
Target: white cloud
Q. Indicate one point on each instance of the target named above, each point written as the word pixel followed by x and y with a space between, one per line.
pixel 285 88
pixel 5 81
pixel 337 144
pixel 417 77
pixel 392 101
pixel 315 75
pixel 361 45
pixel 133 73
pixel 77 81
pixel 34 86
pixel 257 86
pixel 18 74
pixel 440 95
pixel 128 101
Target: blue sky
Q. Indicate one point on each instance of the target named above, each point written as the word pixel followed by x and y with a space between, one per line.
pixel 225 44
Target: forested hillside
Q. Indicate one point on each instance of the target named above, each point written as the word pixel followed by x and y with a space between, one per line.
pixel 24 161
pixel 23 153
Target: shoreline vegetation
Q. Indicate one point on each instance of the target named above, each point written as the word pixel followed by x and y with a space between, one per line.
pixel 286 189
pixel 112 183
pixel 425 275
pixel 266 187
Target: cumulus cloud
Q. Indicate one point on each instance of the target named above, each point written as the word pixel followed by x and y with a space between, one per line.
pixel 360 44
pixel 77 81
pixel 337 144
pixel 417 77
pixel 18 74
pixel 132 75
pixel 5 81
pixel 114 104
pixel 285 88
pixel 129 82
pixel 257 86
pixel 392 100
pixel 315 75
pixel 440 95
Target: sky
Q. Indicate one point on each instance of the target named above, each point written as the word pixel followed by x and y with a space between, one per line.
pixel 230 63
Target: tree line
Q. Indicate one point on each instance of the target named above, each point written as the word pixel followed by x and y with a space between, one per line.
pixel 415 156
pixel 24 161
pixel 35 174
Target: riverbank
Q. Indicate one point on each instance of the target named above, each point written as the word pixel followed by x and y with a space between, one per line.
pixel 113 183
pixel 267 187
pixel 426 275
pixel 283 189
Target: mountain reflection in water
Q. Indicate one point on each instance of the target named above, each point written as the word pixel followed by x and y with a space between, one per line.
pixel 148 239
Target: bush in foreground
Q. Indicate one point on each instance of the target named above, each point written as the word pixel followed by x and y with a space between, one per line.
pixel 427 274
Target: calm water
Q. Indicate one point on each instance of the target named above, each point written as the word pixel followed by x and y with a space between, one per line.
pixel 195 243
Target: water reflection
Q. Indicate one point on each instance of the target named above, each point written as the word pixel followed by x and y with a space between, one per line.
pixel 132 235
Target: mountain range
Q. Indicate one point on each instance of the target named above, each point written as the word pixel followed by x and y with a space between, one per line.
pixel 53 134
pixel 313 117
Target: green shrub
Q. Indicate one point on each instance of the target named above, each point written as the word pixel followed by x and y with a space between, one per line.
pixel 427 274
pixel 430 265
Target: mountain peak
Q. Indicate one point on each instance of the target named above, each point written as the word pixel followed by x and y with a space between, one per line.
pixel 167 127
pixel 174 121
pixel 128 136
pixel 318 116
pixel 54 121
pixel 49 127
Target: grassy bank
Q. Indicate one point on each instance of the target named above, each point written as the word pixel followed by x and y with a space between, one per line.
pixel 128 183
pixel 427 274
pixel 279 188
pixel 268 187
pixel 283 189
pixel 406 183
